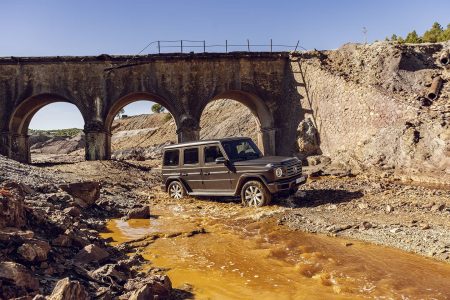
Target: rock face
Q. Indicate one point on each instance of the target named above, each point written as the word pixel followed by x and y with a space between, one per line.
pixel 66 289
pixel 11 206
pixel 87 191
pixel 366 101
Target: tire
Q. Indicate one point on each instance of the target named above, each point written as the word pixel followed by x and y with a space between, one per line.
pixel 176 190
pixel 255 194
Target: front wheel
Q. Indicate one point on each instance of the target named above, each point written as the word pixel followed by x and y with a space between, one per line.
pixel 176 190
pixel 255 194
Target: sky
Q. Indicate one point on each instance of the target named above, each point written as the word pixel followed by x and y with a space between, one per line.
pixel 81 27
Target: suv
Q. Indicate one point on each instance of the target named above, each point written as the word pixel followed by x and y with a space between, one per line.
pixel 228 167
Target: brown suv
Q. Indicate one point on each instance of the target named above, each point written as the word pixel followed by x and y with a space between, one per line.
pixel 228 167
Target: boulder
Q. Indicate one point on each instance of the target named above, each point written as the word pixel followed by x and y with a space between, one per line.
pixel 110 271
pixel 91 253
pixel 34 250
pixel 152 287
pixel 67 289
pixel 139 213
pixel 87 191
pixel 18 275
pixel 12 213
pixel 62 241
pixel 72 211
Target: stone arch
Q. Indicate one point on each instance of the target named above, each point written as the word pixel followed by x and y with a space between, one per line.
pixel 261 112
pixel 21 117
pixel 118 104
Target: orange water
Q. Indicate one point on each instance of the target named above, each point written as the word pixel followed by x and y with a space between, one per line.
pixel 248 259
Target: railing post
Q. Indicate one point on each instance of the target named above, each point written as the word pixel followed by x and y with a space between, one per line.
pixel 248 45
pixel 181 46
pixel 270 45
pixel 159 47
pixel 226 46
pixel 204 46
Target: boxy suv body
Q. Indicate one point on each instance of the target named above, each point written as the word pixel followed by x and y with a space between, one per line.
pixel 228 167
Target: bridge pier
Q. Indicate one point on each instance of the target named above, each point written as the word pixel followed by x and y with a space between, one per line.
pixel 19 148
pixel 4 143
pixel 96 141
pixel 188 134
pixel 266 141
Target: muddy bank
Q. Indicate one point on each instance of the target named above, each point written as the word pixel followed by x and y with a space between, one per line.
pixel 50 243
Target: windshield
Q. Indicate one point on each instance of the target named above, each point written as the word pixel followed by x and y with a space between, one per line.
pixel 239 150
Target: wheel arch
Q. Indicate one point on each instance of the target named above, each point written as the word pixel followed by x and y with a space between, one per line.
pixel 183 183
pixel 246 178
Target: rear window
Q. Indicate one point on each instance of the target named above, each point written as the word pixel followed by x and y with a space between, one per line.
pixel 211 153
pixel 191 156
pixel 171 157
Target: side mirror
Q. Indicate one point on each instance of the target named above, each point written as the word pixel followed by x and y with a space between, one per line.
pixel 221 160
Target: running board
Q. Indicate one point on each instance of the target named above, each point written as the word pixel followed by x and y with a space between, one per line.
pixel 211 195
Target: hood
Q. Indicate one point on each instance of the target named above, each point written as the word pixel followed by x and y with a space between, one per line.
pixel 265 160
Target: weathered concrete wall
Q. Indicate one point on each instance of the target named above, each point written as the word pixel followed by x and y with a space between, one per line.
pixel 184 84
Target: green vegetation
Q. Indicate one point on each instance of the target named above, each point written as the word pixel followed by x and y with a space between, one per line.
pixel 69 132
pixel 433 35
pixel 157 108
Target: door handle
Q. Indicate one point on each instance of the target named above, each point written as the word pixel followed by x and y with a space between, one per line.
pixel 184 174
pixel 207 173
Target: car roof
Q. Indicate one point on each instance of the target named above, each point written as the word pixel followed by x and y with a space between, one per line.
pixel 203 142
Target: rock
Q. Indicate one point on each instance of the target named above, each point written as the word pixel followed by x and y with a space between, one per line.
pixel 34 250
pixel 438 207
pixel 111 271
pixel 91 253
pixel 19 275
pixel 87 191
pixel 10 232
pixel 80 203
pixel 395 230
pixel 365 225
pixel 12 212
pixel 363 205
pixel 72 211
pixel 139 213
pixel 348 244
pixel 389 208
pixel 62 241
pixel 158 287
pixel 66 289
pixel 425 226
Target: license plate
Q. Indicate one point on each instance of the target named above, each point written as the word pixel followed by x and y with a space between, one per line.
pixel 298 180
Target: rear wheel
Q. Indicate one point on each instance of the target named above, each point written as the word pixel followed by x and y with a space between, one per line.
pixel 255 194
pixel 176 190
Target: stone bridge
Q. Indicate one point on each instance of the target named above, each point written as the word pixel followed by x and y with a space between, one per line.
pixel 183 83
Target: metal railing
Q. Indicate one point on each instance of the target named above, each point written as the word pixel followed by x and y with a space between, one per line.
pixel 188 46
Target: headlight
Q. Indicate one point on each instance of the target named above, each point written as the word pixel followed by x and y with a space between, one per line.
pixel 279 172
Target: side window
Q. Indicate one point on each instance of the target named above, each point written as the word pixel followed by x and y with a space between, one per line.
pixel 191 156
pixel 211 153
pixel 171 157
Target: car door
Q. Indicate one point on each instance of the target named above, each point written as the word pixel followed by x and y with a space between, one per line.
pixel 190 170
pixel 216 177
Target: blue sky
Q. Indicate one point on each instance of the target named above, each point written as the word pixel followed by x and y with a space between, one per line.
pixel 81 27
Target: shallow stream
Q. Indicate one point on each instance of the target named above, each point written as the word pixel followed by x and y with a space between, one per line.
pixel 244 258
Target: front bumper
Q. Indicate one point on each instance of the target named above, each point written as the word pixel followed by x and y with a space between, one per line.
pixel 286 184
